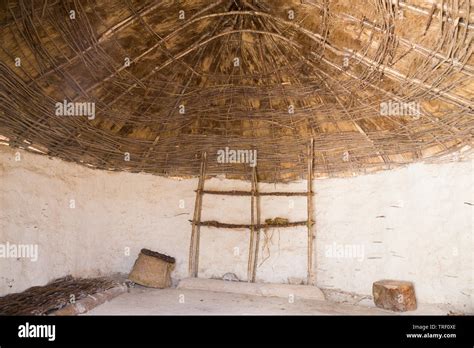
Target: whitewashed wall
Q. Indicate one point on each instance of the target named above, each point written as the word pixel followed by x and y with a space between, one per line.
pixel 414 223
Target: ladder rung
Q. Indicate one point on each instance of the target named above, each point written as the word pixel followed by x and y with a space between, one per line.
pixel 249 193
pixel 226 225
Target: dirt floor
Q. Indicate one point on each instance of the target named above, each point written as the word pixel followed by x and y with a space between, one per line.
pixel 146 301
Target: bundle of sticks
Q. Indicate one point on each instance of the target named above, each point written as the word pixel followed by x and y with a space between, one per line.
pixel 43 300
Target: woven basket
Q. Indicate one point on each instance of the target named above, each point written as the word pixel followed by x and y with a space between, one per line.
pixel 152 269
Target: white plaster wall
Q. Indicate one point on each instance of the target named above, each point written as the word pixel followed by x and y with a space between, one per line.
pixel 414 223
pixel 425 234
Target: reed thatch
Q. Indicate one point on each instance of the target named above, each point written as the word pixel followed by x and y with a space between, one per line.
pixel 306 69
pixel 59 293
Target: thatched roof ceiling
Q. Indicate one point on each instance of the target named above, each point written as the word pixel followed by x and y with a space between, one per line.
pixel 266 75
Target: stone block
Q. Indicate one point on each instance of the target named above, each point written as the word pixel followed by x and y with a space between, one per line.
pixel 394 295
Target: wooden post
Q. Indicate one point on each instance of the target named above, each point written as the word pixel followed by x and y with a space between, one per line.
pixel 198 231
pixel 310 276
pixel 257 236
pixel 252 231
pixel 195 232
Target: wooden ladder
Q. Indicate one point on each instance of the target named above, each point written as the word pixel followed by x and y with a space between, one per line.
pixel 255 224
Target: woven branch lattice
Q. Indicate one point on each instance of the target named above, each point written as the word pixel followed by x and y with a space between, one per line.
pixel 173 79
